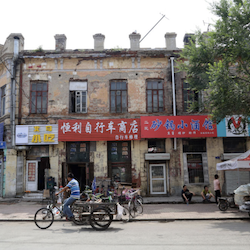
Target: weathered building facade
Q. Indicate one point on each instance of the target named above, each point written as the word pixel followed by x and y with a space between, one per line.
pixel 86 111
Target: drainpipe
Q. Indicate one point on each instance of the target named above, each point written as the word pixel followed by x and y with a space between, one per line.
pixel 173 88
pixel 20 94
pixel 13 90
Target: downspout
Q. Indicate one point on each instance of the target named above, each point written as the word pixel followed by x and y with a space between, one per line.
pixel 20 95
pixel 13 90
pixel 173 88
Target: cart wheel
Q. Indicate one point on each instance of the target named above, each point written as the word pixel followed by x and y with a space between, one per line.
pixel 79 219
pixel 100 219
pixel 44 218
pixel 223 205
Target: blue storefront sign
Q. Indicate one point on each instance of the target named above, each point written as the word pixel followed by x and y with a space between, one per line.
pixel 2 144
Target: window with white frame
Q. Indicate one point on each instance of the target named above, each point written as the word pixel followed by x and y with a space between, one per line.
pixel 195 161
pixel 3 99
pixel 78 97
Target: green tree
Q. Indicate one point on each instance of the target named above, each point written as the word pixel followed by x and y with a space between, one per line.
pixel 218 62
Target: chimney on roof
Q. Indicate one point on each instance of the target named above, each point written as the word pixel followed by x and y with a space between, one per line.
pixel 170 38
pixel 134 41
pixel 60 42
pixel 188 38
pixel 99 41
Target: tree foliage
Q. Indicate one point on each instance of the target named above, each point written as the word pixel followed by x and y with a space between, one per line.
pixel 218 62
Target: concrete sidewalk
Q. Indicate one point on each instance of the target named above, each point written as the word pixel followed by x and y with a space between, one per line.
pixel 153 210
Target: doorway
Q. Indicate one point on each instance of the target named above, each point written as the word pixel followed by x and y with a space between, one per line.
pixel 31 175
pixel 80 173
pixel 158 179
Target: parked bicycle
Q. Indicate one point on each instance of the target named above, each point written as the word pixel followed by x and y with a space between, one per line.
pixel 134 205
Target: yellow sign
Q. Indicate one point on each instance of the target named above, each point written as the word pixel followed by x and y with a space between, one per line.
pixel 36 129
pixel 36 138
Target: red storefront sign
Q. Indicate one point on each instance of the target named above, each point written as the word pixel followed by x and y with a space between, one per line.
pixel 99 130
pixel 177 126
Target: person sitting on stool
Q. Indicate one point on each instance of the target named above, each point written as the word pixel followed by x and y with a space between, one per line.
pixel 186 194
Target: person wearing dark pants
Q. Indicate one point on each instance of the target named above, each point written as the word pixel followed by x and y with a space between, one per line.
pixel 217 188
pixel 186 194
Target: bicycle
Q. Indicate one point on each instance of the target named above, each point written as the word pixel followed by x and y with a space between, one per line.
pixel 95 214
pixel 134 205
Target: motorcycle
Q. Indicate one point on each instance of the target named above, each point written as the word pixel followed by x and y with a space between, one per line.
pixel 239 199
pixel 224 202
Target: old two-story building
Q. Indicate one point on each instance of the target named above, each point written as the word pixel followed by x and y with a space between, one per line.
pixel 113 114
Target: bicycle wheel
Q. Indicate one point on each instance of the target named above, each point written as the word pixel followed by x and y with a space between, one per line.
pixel 136 208
pixel 100 219
pixel 44 218
pixel 139 207
pixel 125 215
pixel 223 205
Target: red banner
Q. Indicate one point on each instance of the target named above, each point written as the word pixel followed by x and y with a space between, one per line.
pixel 99 130
pixel 177 126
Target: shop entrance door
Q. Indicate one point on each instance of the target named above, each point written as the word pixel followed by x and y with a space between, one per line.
pixel 158 179
pixel 31 175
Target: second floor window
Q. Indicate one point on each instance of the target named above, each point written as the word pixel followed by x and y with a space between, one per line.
pixel 155 101
pixel 39 98
pixel 190 97
pixel 118 97
pixel 3 99
pixel 78 97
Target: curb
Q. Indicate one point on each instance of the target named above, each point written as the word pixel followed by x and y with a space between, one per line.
pixel 142 220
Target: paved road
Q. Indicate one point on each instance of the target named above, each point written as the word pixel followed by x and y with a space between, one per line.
pixel 26 211
pixel 177 235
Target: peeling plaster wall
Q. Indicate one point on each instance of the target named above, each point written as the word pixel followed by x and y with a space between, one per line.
pixel 101 159
pixel 98 72
pixel 142 167
pixel 214 148
pixel 57 155
pixel 135 163
pixel 175 168
pixel 10 173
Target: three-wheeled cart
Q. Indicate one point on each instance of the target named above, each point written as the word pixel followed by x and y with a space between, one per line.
pixel 98 215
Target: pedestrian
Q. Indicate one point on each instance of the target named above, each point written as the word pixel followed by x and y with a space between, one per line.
pixel 186 194
pixel 217 188
pixel 73 185
pixel 206 194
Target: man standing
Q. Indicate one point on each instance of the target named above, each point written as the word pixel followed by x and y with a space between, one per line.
pixel 73 185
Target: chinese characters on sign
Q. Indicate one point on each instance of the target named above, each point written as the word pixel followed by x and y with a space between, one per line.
pixel 177 126
pixel 36 134
pixel 99 130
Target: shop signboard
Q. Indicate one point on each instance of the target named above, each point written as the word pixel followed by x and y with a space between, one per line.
pixel 2 144
pixel 37 134
pixel 233 126
pixel 177 126
pixel 99 130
